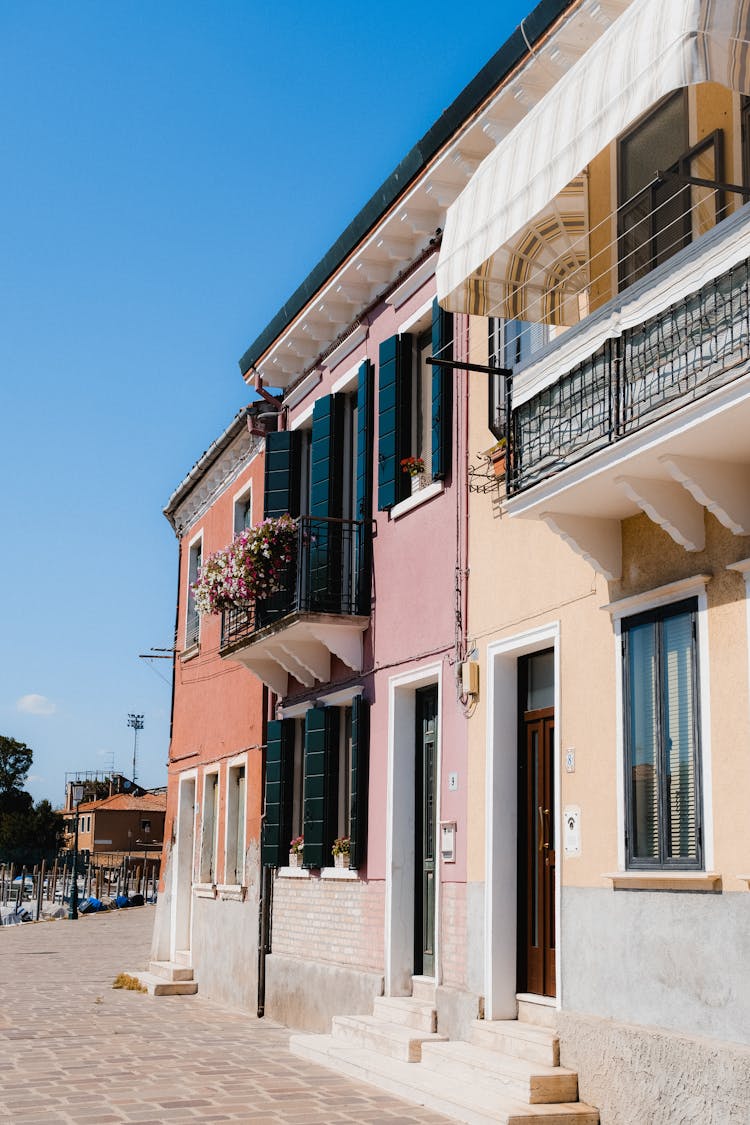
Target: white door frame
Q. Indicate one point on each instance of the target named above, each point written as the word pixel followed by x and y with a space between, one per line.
pixel 184 859
pixel 501 817
pixel 400 826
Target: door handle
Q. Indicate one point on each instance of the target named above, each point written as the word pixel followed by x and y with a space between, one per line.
pixel 540 827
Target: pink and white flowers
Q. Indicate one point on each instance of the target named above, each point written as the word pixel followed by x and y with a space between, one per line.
pixel 250 568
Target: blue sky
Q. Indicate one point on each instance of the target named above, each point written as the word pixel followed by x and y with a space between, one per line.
pixel 170 173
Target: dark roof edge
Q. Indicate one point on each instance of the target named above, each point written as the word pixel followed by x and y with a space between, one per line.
pixel 515 48
pixel 204 462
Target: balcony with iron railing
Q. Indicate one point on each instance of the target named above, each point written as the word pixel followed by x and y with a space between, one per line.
pixel 645 407
pixel 319 611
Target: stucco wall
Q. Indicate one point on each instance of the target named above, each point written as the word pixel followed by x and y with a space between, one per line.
pixel 679 961
pixel 225 951
pixel 639 1076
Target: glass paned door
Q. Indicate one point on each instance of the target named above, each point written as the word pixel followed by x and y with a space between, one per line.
pixel 426 831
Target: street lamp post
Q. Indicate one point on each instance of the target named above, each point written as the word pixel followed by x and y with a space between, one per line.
pixel 136 722
pixel 77 792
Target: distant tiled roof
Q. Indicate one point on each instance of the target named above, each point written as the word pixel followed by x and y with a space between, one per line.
pixel 150 802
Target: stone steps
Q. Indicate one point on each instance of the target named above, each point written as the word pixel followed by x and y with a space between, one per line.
pixel 530 1082
pixel 167 978
pixel 405 1010
pixel 392 1039
pixel 444 1093
pixel 514 1037
pixel 169 970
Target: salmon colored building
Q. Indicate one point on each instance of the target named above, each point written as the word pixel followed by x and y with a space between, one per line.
pixel 208 916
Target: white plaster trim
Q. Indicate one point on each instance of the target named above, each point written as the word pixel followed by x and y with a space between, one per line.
pixel 241 497
pixel 398 874
pixel 744 879
pixel 226 469
pixel 742 567
pixel 181 891
pixel 416 499
pixel 352 341
pixel 303 417
pixel 340 698
pixel 296 711
pixel 416 317
pixel 213 770
pixel 659 596
pixel 192 542
pixel 348 381
pixel 536 998
pixel 204 890
pixel 303 389
pixel 190 653
pixel 338 873
pixel 500 947
pixel 231 892
pixel 293 873
pixel 233 763
pixel 419 278
pixel 619 745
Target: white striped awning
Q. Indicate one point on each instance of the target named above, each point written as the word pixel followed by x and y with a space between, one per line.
pixel 652 49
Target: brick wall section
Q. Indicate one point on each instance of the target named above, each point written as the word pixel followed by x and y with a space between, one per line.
pixel 453 934
pixel 336 920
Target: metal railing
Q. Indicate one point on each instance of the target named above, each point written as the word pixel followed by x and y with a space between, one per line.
pixel 328 574
pixel 696 345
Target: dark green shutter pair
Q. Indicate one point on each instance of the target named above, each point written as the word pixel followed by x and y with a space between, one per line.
pixel 395 374
pixel 282 474
pixel 321 785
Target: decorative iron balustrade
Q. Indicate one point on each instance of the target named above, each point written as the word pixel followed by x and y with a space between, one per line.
pixel 328 574
pixel 696 345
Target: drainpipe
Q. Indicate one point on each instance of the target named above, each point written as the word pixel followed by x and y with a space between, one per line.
pixel 265 880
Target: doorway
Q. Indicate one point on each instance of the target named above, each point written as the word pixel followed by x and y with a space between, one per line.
pixel 425 793
pixel 183 878
pixel 536 824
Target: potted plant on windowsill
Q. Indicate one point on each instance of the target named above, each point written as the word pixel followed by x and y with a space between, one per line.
pixel 340 850
pixel 296 850
pixel 417 470
pixel 497 455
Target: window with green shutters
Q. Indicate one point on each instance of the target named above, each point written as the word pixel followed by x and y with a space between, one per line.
pixel 279 796
pixel 363 505
pixel 359 781
pixel 321 784
pixel 415 406
pixel 282 474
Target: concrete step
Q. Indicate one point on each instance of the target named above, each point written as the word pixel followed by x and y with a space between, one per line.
pixel 472 1105
pixel 542 1015
pixel 530 1082
pixel 523 1040
pixel 406 1011
pixel 170 970
pixel 183 957
pixel 423 988
pixel 158 986
pixel 391 1039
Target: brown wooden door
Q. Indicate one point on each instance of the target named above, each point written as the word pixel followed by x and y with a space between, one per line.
pixel 537 853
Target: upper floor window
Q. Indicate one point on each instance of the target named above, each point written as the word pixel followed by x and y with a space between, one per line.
pixel 243 510
pixel 657 217
pixel 192 617
pixel 662 758
pixel 510 343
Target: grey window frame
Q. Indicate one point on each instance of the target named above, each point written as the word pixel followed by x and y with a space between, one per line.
pixel 662 862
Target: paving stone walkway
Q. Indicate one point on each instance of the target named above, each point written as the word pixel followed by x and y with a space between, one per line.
pixel 73 1049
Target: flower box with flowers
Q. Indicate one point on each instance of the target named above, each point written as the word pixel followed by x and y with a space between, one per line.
pixel 341 851
pixel 254 566
pixel 296 850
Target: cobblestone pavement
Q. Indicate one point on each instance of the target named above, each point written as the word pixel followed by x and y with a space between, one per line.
pixel 73 1049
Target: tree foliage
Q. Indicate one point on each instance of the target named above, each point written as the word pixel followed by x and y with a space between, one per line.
pixel 28 832
pixel 15 763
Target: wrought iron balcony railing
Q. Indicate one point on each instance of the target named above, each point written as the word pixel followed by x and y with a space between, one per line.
pixel 329 574
pixel 696 345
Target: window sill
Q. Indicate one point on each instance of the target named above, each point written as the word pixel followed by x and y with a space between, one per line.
pixel 339 873
pixel 745 879
pixel 231 892
pixel 665 881
pixel 293 873
pixel 417 498
pixel 204 890
pixel 190 653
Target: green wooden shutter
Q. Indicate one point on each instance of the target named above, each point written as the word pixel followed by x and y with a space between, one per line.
pixel 363 511
pixel 394 418
pixel 327 457
pixel 442 392
pixel 277 820
pixel 282 473
pixel 321 784
pixel 360 774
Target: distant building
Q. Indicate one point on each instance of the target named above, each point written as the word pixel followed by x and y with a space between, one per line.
pixel 124 822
